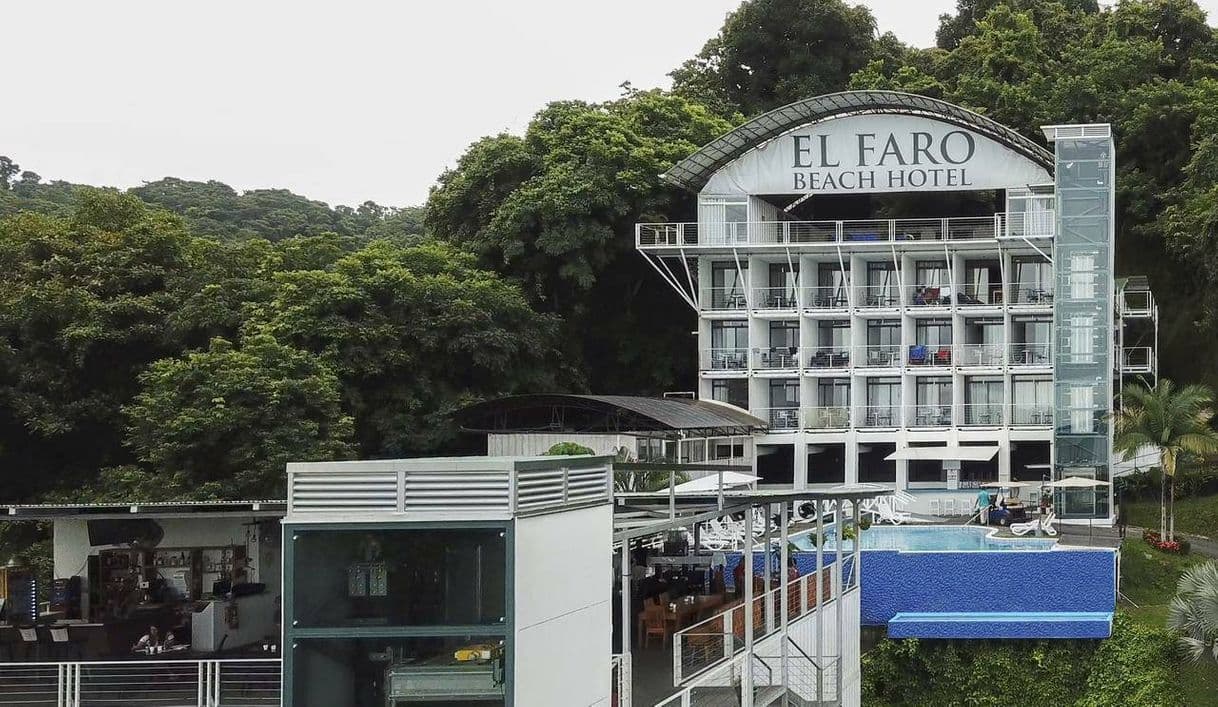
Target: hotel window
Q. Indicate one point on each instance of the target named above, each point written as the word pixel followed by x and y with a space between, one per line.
pixel 984 282
pixel 723 220
pixel 931 273
pixel 933 333
pixel 983 401
pixel 831 285
pixel 883 332
pixel 783 283
pixel 1082 338
pixel 729 336
pixel 881 285
pixel 1033 274
pixel 1033 401
pixel 727 285
pixel 833 392
pixel 1082 410
pixel 784 394
pixel 884 396
pixel 733 391
pixel 934 401
pixel 833 334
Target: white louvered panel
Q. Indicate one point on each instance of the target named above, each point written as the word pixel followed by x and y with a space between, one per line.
pixel 455 491
pixel 586 485
pixel 539 489
pixel 367 491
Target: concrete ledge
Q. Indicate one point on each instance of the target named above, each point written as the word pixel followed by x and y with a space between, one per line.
pixel 1001 625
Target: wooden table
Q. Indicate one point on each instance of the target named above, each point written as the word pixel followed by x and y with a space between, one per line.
pixel 688 612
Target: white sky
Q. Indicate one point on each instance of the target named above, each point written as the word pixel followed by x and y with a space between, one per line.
pixel 339 101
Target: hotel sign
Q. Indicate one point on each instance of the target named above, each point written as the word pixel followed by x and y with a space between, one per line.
pixel 876 153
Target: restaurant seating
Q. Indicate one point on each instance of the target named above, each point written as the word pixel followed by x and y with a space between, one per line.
pixel 654 623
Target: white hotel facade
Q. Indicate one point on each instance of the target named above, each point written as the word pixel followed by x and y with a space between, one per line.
pixel 910 294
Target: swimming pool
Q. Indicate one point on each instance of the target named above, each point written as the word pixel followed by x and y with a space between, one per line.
pixel 927 538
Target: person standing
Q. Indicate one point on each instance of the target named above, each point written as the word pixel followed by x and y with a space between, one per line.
pixel 983 503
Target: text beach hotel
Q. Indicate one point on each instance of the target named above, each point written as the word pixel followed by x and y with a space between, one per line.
pixel 909 293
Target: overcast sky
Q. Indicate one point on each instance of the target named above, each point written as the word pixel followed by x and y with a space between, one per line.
pixel 340 101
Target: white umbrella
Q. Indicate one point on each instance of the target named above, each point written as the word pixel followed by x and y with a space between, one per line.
pixel 710 482
pixel 1011 484
pixel 1077 482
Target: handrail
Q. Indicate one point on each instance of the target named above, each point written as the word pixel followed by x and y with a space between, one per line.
pixel 733 233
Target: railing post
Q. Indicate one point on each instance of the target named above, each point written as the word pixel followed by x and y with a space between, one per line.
pixel 200 681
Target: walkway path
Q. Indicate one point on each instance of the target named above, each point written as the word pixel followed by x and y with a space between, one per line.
pixel 1201 544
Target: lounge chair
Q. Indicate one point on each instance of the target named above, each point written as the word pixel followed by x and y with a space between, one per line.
pixel 1046 525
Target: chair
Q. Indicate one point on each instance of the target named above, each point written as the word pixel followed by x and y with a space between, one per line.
pixel 949 507
pixel 934 507
pixel 1045 522
pixel 917 354
pixel 654 623
pixel 944 356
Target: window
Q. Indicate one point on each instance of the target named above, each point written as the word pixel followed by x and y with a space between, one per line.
pixel 831 282
pixel 881 285
pixel 1032 401
pixel 733 391
pixel 783 277
pixel 784 335
pixel 884 392
pixel 833 334
pixel 1082 409
pixel 833 392
pixel 1082 338
pixel 649 450
pixel 933 392
pixel 784 394
pixel 883 332
pixel 727 285
pixel 984 282
pixel 1033 274
pixel 723 220
pixel 728 336
pixel 931 273
pixel 933 333
pixel 983 401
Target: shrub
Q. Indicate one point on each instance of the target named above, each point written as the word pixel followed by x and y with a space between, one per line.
pixel 1179 546
pixel 1134 667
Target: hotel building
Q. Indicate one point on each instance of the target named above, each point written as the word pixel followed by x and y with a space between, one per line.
pixel 910 294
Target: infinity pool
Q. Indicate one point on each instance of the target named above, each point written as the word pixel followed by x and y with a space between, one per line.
pixel 923 538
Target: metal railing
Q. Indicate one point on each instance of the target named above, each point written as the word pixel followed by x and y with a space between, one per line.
pixel 780 418
pixel 621 678
pixel 826 417
pixel 982 414
pixel 880 416
pixel 169 683
pixel 825 297
pixel 1137 359
pixel 1030 293
pixel 973 295
pixel 879 356
pixel 775 298
pixel 708 643
pixel 1136 303
pixel 827 357
pixel 979 354
pixel 737 233
pixel 929 295
pixel 928 415
pixel 727 299
pixel 880 296
pixel 1030 354
pixel 1032 415
pixel 1029 224
pixel 776 358
pixel 804 678
pixel 725 359
pixel 929 355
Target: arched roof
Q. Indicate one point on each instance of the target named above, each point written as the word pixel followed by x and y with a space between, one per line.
pixel 695 171
pixel 609 414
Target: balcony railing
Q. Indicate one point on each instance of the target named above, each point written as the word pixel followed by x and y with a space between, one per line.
pixel 827 357
pixel 780 418
pixel 1137 359
pixel 929 295
pixel 982 414
pixel 776 358
pixel 1029 224
pixel 826 417
pixel 1031 354
pixel 735 359
pixel 984 355
pixel 880 296
pixel 879 356
pixel 724 299
pixel 930 355
pixel 1030 293
pixel 930 415
pixel 880 416
pixel 774 298
pixel 825 297
pixel 1032 415
pixel 1136 303
pixel 738 233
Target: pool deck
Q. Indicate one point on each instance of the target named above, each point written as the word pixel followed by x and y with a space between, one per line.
pixel 1067 535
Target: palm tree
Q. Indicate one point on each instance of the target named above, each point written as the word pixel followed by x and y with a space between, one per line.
pixel 1194 611
pixel 1173 420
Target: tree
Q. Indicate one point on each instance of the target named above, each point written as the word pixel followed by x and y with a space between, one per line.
pixel 413 332
pixel 1175 421
pixel 569 449
pixel 772 52
pixel 954 28
pixel 223 423
pixel 1193 612
pixel 556 210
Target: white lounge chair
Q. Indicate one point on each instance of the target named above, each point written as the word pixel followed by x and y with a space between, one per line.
pixel 1046 525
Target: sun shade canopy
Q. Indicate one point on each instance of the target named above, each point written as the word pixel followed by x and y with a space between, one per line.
pixel 608 414
pixel 946 453
pixel 695 171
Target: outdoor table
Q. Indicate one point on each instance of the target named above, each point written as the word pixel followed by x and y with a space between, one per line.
pixel 683 612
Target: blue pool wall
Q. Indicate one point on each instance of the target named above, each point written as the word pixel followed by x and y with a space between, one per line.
pixel 895 582
pixel 804 560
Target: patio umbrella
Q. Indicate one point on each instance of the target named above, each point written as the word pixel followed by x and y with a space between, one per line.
pixel 1079 482
pixel 710 482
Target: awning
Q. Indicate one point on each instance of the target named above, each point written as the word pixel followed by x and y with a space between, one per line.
pixel 945 453
pixel 731 479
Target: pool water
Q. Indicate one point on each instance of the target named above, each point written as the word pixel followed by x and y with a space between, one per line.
pixel 923 538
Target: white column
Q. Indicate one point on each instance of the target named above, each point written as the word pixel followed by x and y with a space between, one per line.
pixel 817 592
pixel 746 669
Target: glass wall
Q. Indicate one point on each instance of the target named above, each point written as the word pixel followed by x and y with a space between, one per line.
pixel 734 391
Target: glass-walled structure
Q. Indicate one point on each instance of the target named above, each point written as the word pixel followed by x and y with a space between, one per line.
pixel 915 276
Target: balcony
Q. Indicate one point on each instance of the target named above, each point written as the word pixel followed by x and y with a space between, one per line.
pixel 1028 224
pixel 929 356
pixel 936 415
pixel 982 415
pixel 979 355
pixel 879 356
pixel 777 358
pixel 880 296
pixel 782 298
pixel 1025 415
pixel 828 357
pixel 1030 294
pixel 1137 359
pixel 826 417
pixel 1031 354
pixel 765 233
pixel 724 299
pixel 825 297
pixel 780 419
pixel 880 416
pixel 734 359
pixel 1136 303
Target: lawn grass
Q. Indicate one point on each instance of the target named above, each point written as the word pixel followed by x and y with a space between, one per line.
pixel 1197 515
pixel 1148 579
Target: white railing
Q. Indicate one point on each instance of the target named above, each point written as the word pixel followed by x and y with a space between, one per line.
pixel 180 683
pixel 931 355
pixel 1137 359
pixel 1030 293
pixel 737 233
pixel 776 358
pixel 824 297
pixel 972 295
pixel 708 643
pixel 1136 303
pixel 986 355
pixel 774 298
pixel 1029 224
pixel 622 678
pixel 1032 415
pixel 880 295
pixel 982 414
pixel 1031 354
pixel 880 416
pixel 728 299
pixel 878 356
pixel 928 416
pixel 826 357
pixel 928 295
pixel 725 359
pixel 782 418
pixel 826 417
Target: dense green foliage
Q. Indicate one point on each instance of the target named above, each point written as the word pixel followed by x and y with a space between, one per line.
pixel 1193 614
pixel 1133 667
pixel 1198 515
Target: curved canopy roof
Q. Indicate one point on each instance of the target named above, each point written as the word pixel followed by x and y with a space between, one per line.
pixel 695 171
pixel 609 414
